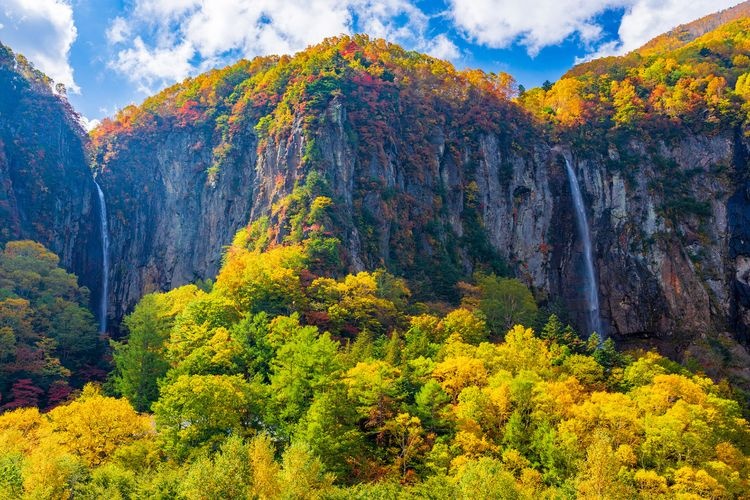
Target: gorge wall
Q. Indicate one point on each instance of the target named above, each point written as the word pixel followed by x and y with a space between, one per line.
pixel 433 173
pixel 46 190
pixel 433 185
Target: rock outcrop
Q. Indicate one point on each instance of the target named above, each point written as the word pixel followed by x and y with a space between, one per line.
pixel 434 174
pixel 46 189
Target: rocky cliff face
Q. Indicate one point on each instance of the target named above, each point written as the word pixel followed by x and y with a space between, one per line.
pixel 667 221
pixel 46 189
pixel 662 269
pixel 168 222
pixel 434 180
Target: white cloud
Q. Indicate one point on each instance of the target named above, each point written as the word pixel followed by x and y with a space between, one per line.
pixel 87 124
pixel 646 19
pixel 118 31
pixel 170 36
pixel 43 31
pixel 536 24
pixel 442 48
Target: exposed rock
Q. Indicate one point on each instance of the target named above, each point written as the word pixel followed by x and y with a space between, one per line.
pixel 46 189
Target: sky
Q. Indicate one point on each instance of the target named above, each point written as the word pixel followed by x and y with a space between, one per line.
pixel 111 53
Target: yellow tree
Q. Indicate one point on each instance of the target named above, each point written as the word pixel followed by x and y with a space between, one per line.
pixel 95 426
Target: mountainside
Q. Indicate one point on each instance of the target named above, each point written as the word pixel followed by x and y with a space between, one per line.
pixel 416 157
pixel 375 276
pixel 46 190
pixel 663 144
pixel 435 173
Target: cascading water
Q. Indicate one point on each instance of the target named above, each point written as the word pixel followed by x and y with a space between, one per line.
pixel 590 286
pixel 105 259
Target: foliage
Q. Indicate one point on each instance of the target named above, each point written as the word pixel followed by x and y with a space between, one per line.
pixel 48 338
pixel 698 80
pixel 266 404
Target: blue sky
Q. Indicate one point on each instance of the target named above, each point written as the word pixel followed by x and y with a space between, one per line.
pixel 110 53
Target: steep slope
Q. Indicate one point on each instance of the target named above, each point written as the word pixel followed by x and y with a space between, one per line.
pixel 431 171
pixel 435 173
pixel 661 141
pixel 46 191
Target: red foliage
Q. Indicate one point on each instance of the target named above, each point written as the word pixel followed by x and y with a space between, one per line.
pixel 24 393
pixel 58 393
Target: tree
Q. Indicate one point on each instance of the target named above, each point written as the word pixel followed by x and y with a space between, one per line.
pixel 141 361
pixel 503 301
pixel 329 429
pixel 407 440
pixel 301 368
pixel 302 475
pixel 197 411
pixel 48 338
pixel 265 483
pixel 598 477
pixel 226 474
pixel 93 426
pixel 470 326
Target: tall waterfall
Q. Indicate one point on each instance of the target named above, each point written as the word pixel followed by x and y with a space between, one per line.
pixel 590 284
pixel 105 259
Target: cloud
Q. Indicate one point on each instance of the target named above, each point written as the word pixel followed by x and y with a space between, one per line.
pixel 536 24
pixel 159 42
pixel 43 31
pixel 442 48
pixel 118 31
pixel 87 124
pixel 646 19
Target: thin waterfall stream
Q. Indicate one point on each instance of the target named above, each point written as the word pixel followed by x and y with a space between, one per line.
pixel 105 259
pixel 591 292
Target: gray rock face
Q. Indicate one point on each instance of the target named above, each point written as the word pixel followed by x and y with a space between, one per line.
pixel 669 218
pixel 46 190
pixel 169 220
pixel 662 225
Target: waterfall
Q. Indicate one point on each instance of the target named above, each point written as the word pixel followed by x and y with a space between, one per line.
pixel 105 259
pixel 590 284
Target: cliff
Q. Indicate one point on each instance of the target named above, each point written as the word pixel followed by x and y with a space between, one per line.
pixel 46 190
pixel 435 173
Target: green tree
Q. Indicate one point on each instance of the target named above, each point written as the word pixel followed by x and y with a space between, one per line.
pixel 197 411
pixel 301 368
pixel 141 361
pixel 504 301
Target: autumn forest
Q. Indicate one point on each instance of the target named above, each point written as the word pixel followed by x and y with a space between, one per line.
pixel 371 328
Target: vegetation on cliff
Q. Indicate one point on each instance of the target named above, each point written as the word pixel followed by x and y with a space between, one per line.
pixel 700 83
pixel 381 105
pixel 289 378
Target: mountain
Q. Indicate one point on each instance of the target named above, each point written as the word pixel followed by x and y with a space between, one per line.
pixel 392 241
pixel 435 173
pixel 46 190
pixel 664 143
pixel 417 158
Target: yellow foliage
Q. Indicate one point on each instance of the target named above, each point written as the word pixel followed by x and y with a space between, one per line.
pixel 94 426
pixel 611 413
pixel 650 484
pixel 689 481
pixel 265 484
pixel 523 351
pixel 50 472
pixel 21 430
pixel 565 99
pixel 665 390
pixel 557 398
pixel 742 87
pixel 455 374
